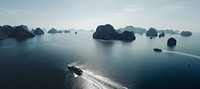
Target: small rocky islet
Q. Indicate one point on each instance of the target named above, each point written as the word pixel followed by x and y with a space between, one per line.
pixel 53 30
pixel 151 32
pixel 162 35
pixel 38 31
pixel 107 32
pixel 171 42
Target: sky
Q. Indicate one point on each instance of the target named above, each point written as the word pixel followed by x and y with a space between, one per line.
pixel 88 14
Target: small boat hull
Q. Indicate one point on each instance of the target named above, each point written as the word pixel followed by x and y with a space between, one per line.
pixel 75 70
pixel 157 50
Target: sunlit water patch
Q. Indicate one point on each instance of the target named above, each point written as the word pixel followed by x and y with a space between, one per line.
pixel 101 82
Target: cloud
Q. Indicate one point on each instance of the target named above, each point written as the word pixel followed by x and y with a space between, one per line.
pixel 11 11
pixel 173 7
pixel 179 5
pixel 132 8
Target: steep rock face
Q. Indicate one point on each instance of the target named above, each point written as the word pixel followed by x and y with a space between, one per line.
pixel 186 33
pixel 32 30
pixel 24 26
pixel 152 32
pixel 2 34
pixel 21 32
pixel 38 31
pixel 161 35
pixel 127 36
pixel 171 42
pixel 53 30
pixel 105 32
pixel 7 29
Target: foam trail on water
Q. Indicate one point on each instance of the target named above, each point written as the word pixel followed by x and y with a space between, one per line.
pixel 101 82
pixel 91 81
pixel 184 54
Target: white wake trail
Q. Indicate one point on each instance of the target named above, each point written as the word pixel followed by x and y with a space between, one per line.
pixel 91 81
pixel 181 53
pixel 101 82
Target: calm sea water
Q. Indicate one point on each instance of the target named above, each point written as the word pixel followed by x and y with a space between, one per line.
pixel 41 63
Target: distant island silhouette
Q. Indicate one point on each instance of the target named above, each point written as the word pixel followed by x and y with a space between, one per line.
pixel 105 32
pixel 53 30
pixel 67 31
pixel 167 31
pixel 186 33
pixel 130 28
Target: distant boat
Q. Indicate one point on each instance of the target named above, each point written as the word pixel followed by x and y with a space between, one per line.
pixel 157 50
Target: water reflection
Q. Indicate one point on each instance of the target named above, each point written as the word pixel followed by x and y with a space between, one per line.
pixel 104 48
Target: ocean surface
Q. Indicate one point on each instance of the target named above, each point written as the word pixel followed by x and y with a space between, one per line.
pixel 41 62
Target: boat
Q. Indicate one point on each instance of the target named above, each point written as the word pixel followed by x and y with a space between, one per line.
pixel 157 50
pixel 75 70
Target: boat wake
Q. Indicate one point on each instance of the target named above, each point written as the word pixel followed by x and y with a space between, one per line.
pixel 184 54
pixel 100 82
pixel 97 81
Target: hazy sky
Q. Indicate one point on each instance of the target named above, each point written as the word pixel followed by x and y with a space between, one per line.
pixel 88 14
